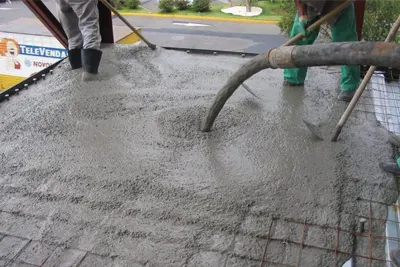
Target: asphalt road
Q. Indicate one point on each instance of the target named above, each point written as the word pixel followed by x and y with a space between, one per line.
pixel 246 37
pixel 15 10
pixel 201 34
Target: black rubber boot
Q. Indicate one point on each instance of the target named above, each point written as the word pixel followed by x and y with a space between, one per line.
pixel 390 167
pixel 394 255
pixel 287 83
pixel 91 60
pixel 394 139
pixel 75 58
pixel 346 96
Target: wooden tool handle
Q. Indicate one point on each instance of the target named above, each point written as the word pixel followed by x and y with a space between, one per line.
pixel 321 21
pixel 112 9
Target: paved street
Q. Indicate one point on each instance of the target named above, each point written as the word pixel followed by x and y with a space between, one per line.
pixel 17 9
pixel 201 34
pixel 247 37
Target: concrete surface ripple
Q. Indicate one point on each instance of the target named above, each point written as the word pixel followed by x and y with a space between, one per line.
pixel 116 173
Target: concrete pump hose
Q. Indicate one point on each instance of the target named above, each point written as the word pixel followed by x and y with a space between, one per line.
pixel 332 54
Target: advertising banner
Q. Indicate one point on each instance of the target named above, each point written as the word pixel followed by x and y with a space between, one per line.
pixel 23 55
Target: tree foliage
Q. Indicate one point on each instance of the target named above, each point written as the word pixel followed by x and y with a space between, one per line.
pixel 125 4
pixel 166 6
pixel 181 4
pixel 379 18
pixel 118 4
pixel 289 13
pixel 132 4
pixel 201 5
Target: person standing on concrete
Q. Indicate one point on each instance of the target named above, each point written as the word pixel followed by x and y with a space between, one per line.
pixel 80 20
pixel 343 28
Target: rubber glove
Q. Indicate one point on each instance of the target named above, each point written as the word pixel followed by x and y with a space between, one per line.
pixel 302 26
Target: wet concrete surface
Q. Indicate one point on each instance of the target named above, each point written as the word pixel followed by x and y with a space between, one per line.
pixel 115 172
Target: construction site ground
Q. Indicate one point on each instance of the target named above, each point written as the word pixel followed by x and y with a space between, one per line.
pixel 115 172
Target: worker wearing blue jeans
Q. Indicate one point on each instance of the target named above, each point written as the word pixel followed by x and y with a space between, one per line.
pixel 343 28
pixel 80 21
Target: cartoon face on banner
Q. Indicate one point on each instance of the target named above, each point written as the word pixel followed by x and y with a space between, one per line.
pixel 12 48
pixel 9 48
pixel 22 55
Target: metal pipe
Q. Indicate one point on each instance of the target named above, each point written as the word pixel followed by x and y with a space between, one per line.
pixel 334 54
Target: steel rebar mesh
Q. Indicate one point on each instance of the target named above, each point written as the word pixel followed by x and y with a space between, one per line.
pixel 297 250
pixel 372 234
pixel 382 98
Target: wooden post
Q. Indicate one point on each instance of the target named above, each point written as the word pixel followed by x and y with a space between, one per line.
pixel 39 9
pixel 106 25
pixel 359 6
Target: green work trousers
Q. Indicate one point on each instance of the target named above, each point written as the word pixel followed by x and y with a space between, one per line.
pixel 344 30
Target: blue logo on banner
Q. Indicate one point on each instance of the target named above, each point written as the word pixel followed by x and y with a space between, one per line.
pixel 39 51
pixel 28 63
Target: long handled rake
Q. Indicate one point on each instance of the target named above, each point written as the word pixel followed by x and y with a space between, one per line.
pixel 362 86
pixel 110 7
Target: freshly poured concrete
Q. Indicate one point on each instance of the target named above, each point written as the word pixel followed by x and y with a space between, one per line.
pixel 119 169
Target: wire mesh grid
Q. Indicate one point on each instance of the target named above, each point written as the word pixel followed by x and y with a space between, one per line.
pixel 363 230
pixel 382 98
pixel 370 236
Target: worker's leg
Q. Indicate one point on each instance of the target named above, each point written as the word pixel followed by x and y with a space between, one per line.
pixel 345 30
pixel 298 75
pixel 70 23
pixel 391 167
pixel 88 14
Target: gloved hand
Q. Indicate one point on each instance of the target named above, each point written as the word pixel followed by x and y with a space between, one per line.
pixel 301 27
